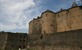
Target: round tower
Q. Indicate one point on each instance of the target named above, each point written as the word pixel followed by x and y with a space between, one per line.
pixel 48 22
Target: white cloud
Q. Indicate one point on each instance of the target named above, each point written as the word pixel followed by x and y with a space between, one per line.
pixel 77 0
pixel 15 11
pixel 12 13
pixel 7 27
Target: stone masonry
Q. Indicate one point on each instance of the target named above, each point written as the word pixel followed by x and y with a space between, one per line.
pixel 51 22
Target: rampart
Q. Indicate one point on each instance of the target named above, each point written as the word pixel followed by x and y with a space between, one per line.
pixel 69 40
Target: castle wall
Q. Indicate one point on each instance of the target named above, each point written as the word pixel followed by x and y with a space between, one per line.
pixel 16 41
pixel 69 40
pixel 54 48
pixel 74 18
pixel 48 23
pixel 61 18
pixel 60 31
pixel 3 38
pixel 64 20
pixel 13 41
pixel 38 26
pixel 35 26
pixel 80 12
pixel 31 27
pixel 69 20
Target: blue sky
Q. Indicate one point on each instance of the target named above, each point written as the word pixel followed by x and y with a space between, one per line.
pixel 16 14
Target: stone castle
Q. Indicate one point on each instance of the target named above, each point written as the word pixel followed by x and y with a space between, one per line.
pixel 57 31
pixel 52 31
pixel 51 22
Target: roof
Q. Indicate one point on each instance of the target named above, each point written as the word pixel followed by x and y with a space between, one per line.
pixel 74 4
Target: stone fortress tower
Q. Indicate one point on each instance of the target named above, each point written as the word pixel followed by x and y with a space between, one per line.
pixel 35 26
pixel 48 22
pixel 51 22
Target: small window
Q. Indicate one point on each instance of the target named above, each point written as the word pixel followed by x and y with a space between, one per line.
pixel 20 46
pixel 46 15
pixel 41 37
pixel 20 40
pixel 23 47
pixel 54 20
pixel 80 47
pixel 73 16
pixel 51 25
pixel 44 31
pixel 43 21
pixel 66 13
pixel 24 40
pixel 78 16
pixel 24 36
pixel 58 15
pixel 70 26
pixel 21 36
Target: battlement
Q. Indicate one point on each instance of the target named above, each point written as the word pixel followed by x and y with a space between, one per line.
pixel 61 10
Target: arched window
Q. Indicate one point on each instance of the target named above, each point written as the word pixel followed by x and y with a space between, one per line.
pixel 44 31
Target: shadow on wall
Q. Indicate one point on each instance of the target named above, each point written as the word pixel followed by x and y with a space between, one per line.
pixel 70 40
